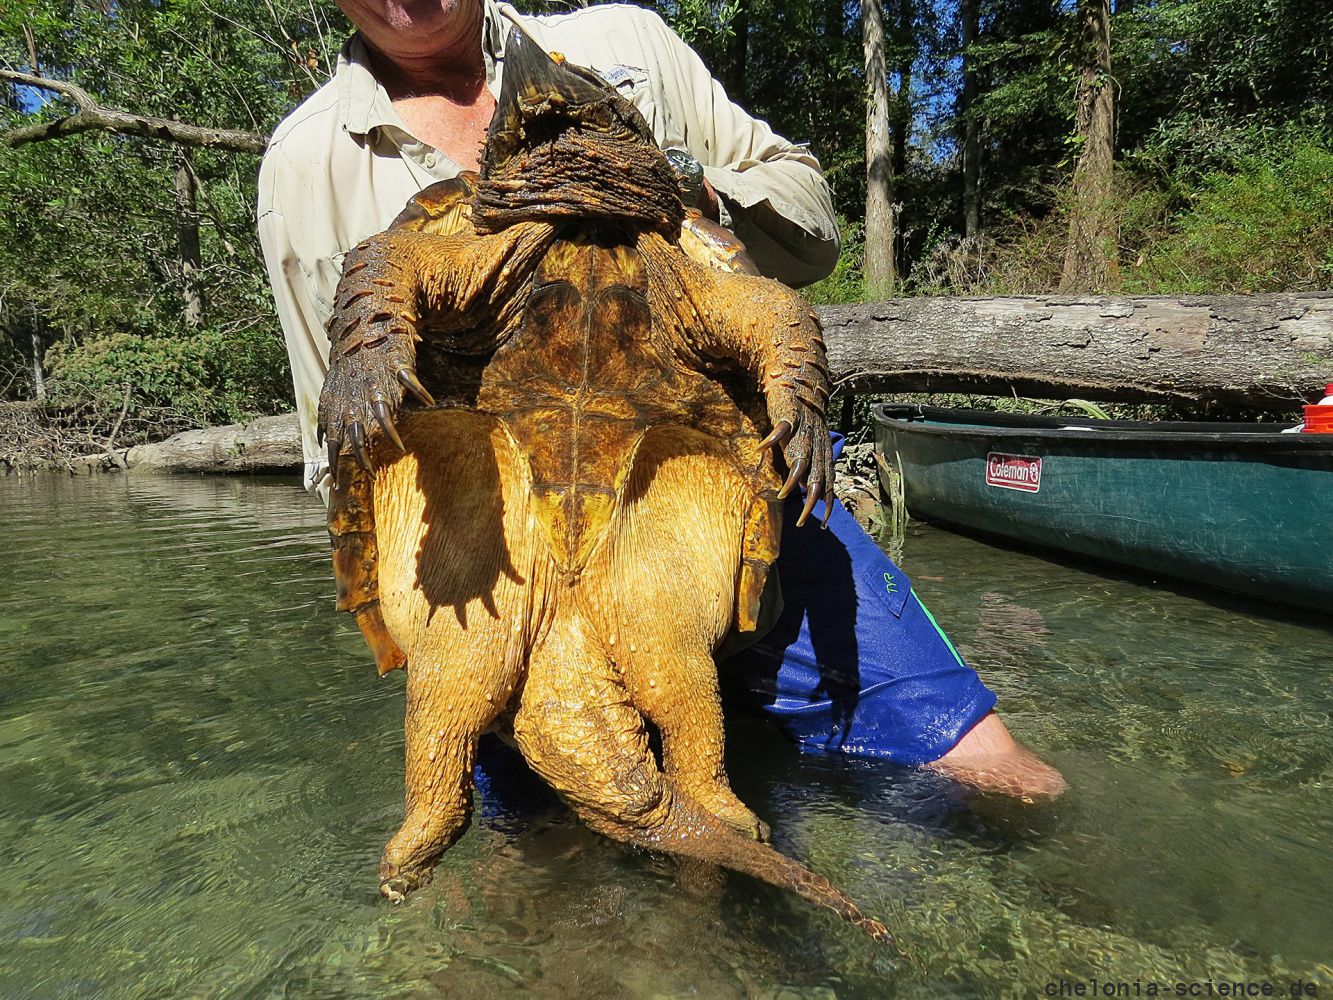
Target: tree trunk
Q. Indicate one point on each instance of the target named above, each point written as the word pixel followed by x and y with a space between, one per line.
pixel 269 444
pixel 187 229
pixel 34 66
pixel 1264 353
pixel 971 127
pixel 38 367
pixel 1246 352
pixel 1090 257
pixel 879 231
pixel 902 118
pixel 738 52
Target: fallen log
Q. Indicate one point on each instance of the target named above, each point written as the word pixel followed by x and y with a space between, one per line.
pixel 1265 353
pixel 269 444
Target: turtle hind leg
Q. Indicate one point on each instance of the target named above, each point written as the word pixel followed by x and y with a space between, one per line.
pixel 577 730
pixel 678 693
pixel 664 589
pixel 439 507
pixel 442 728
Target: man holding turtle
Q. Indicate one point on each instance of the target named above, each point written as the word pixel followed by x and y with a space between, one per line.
pixel 853 661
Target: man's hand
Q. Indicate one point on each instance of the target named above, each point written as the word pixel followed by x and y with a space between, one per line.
pixel 708 202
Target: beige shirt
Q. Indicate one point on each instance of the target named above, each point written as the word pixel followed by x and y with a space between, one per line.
pixel 342 165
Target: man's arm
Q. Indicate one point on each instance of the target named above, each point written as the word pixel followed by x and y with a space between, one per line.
pixel 774 191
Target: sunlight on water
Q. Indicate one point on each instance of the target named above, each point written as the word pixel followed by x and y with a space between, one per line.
pixel 198 768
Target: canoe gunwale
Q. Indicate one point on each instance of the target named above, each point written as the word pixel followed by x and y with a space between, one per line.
pixel 917 418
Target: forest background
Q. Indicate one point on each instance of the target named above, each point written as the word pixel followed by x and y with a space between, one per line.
pixel 132 291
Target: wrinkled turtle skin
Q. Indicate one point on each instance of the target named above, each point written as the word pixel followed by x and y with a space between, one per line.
pixel 551 413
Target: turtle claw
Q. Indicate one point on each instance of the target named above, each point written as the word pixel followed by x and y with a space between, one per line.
pixel 409 381
pixel 778 436
pixel 384 417
pixel 395 890
pixel 396 887
pixel 356 437
pixel 811 498
pixel 335 449
pixel 798 470
pixel 830 499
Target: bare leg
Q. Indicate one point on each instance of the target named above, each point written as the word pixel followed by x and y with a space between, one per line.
pixel 989 759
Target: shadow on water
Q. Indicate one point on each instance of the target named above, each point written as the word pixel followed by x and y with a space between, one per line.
pixel 198 769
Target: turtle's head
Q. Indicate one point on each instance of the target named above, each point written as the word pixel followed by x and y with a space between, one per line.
pixel 564 143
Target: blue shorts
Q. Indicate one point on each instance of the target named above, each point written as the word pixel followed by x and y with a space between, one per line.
pixel 855 662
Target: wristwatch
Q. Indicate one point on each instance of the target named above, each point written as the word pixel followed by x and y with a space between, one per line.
pixel 690 174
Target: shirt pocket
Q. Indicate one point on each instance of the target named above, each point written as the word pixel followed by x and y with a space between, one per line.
pixel 889 585
pixel 633 84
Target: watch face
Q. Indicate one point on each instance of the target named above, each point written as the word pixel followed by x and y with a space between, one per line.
pixel 689 172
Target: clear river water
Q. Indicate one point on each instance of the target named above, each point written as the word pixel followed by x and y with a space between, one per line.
pixel 198 769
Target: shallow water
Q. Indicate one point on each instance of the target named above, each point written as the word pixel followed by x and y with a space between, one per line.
pixel 198 769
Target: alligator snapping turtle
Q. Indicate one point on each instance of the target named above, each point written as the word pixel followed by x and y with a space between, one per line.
pixel 563 493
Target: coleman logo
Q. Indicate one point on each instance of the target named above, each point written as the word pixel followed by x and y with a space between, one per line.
pixel 1014 472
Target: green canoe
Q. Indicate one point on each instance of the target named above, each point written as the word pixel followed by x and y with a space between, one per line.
pixel 1229 505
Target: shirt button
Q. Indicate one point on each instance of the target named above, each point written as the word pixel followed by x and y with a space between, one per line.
pixel 430 161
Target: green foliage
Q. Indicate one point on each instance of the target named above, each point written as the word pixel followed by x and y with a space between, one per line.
pixel 1266 227
pixel 800 70
pixel 846 283
pixel 209 377
pixel 1224 180
pixel 90 253
pixel 1263 224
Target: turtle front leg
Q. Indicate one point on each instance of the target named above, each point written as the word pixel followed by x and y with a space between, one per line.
pixel 373 335
pixel 773 334
pixel 394 286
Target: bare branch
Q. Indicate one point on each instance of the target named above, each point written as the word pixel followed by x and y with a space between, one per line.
pixel 92 116
pixel 70 90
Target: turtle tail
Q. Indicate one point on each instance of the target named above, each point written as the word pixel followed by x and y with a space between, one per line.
pixel 579 731
pixel 690 831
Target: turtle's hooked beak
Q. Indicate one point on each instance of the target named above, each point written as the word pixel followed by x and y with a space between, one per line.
pixel 564 145
pixel 543 95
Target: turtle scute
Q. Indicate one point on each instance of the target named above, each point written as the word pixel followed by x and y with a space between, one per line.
pixel 564 412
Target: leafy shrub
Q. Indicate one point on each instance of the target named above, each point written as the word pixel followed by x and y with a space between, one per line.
pixel 1263 224
pixel 207 377
pixel 1266 227
pixel 846 283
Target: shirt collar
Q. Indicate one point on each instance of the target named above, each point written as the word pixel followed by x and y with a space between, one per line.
pixel 364 105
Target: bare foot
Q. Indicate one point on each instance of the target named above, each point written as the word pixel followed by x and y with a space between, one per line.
pixel 989 759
